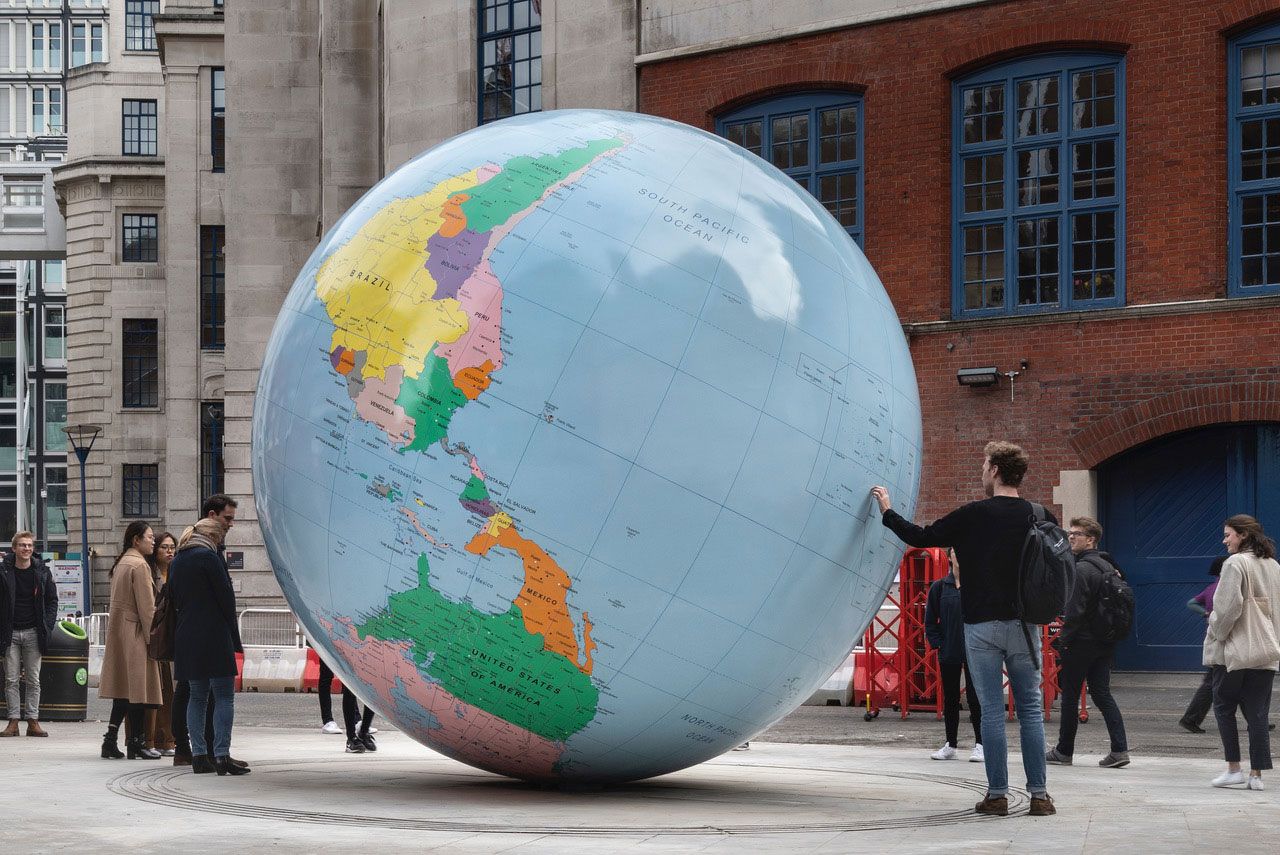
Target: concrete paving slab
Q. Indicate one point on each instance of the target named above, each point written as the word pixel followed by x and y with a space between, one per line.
pixel 307 795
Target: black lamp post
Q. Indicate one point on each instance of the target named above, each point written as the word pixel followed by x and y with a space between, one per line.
pixel 82 438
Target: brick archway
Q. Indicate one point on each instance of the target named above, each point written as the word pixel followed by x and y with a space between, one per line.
pixel 999 45
pixel 1244 15
pixel 1177 411
pixel 747 85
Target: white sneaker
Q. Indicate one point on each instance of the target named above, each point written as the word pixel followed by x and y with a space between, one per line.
pixel 946 752
pixel 331 727
pixel 1228 779
pixel 373 729
pixel 1255 783
pixel 978 755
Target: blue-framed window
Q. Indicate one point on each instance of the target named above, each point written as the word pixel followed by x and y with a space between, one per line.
pixel 1253 139
pixel 1038 186
pixel 816 138
pixel 510 58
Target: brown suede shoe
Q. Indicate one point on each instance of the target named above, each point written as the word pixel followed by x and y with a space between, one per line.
pixel 993 806
pixel 12 729
pixel 1042 806
pixel 34 728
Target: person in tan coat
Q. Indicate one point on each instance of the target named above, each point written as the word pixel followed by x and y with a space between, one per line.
pixel 159 733
pixel 129 677
pixel 1242 646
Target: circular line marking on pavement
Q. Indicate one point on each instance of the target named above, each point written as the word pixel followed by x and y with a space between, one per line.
pixel 161 786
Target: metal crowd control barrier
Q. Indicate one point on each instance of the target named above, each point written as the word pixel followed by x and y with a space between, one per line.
pixel 275 654
pixel 895 667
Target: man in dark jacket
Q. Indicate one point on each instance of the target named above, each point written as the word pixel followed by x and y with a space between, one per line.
pixel 944 628
pixel 1084 656
pixel 221 508
pixel 988 536
pixel 28 611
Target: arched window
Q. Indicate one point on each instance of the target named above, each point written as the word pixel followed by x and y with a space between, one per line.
pixel 1253 132
pixel 816 138
pixel 1038 186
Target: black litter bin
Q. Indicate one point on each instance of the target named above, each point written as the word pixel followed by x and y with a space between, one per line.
pixel 64 675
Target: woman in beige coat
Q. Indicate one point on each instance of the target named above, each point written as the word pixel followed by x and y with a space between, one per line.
pixel 1243 646
pixel 129 677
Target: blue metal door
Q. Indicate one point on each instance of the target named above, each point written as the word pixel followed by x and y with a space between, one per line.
pixel 1162 509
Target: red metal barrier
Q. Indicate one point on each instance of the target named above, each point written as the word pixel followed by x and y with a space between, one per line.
pixel 896 667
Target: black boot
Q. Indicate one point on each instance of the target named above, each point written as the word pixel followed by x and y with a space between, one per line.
pixel 110 747
pixel 182 753
pixel 136 747
pixel 202 764
pixel 226 767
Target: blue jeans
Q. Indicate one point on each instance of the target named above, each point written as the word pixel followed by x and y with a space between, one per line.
pixel 991 647
pixel 224 699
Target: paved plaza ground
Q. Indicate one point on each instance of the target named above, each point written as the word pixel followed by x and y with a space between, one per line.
pixel 821 780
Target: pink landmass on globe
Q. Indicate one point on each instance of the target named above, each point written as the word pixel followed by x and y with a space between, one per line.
pixel 481 298
pixel 377 404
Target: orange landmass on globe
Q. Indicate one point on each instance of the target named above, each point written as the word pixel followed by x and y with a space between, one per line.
pixel 454 219
pixel 346 361
pixel 474 380
pixel 542 598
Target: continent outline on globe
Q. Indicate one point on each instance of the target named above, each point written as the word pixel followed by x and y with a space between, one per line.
pixel 417 337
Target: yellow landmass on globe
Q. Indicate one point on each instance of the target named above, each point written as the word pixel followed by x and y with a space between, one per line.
pixel 378 292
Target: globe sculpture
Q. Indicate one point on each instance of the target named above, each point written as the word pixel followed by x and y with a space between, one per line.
pixel 563 442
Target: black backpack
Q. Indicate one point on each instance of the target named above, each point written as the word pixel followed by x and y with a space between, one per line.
pixel 1112 614
pixel 1046 573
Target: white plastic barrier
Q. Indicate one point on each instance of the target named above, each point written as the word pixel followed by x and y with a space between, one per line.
pixel 838 687
pixel 273 669
pixel 95 626
pixel 275 656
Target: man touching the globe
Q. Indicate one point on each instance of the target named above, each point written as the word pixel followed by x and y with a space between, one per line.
pixel 987 536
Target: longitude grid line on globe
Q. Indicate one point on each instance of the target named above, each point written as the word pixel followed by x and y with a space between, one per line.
pixel 693 274
pixel 550 217
pixel 737 473
pixel 417 462
pixel 317 329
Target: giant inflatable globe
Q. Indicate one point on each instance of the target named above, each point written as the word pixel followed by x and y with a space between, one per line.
pixel 563 443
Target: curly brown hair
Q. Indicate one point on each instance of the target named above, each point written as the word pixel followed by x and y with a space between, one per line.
pixel 1009 459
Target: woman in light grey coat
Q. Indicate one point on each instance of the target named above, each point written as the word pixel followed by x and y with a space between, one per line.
pixel 1244 638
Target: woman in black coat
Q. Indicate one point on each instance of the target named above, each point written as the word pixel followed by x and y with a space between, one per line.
pixel 944 628
pixel 206 640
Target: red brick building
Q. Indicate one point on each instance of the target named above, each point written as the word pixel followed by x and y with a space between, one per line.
pixel 1090 187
